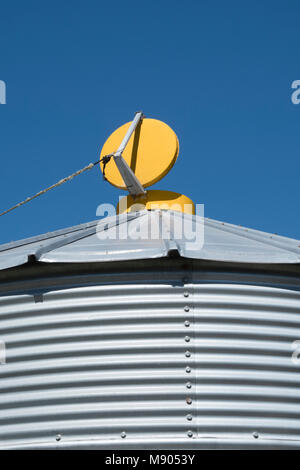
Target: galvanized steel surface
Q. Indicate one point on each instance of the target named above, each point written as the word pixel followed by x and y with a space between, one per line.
pixel 157 360
pixel 222 242
pixel 247 384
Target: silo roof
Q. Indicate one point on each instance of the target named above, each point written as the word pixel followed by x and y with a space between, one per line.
pixel 97 242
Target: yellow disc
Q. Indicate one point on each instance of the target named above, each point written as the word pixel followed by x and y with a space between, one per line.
pixel 151 152
pixel 156 199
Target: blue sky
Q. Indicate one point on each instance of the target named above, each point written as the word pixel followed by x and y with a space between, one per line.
pixel 219 73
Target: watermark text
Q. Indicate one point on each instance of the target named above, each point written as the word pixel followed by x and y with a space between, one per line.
pixel 2 92
pixel 295 97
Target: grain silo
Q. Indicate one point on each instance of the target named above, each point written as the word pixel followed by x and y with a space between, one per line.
pixel 150 342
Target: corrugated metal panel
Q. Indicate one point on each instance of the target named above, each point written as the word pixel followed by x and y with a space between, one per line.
pixel 155 234
pixel 247 384
pixel 94 362
pixel 89 363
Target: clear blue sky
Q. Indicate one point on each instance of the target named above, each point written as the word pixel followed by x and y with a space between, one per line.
pixel 219 73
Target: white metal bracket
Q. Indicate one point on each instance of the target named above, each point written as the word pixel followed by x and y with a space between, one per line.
pixel 133 185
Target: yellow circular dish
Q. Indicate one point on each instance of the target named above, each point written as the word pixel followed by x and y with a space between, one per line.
pixel 151 152
pixel 156 199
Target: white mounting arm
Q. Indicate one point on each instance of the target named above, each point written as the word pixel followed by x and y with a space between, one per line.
pixel 132 183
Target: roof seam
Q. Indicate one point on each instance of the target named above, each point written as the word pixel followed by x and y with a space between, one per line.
pixel 73 238
pixel 46 236
pixel 255 238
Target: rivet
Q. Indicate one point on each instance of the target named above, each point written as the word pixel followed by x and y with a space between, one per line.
pixel 189 401
pixel 188 369
pixel 38 298
pixel 186 308
pixel 189 417
pixel 58 437
pixel 188 385
pixel 255 435
pixel 190 434
pixel 187 339
pixel 186 294
pixel 187 354
pixel 187 323
pixel 123 434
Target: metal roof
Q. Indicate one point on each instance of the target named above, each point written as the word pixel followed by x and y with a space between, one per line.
pixel 97 241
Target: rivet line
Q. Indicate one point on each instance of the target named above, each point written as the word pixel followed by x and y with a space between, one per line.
pixel 188 369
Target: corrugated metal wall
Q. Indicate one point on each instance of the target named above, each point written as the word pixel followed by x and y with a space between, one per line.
pixel 148 358
pixel 247 383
